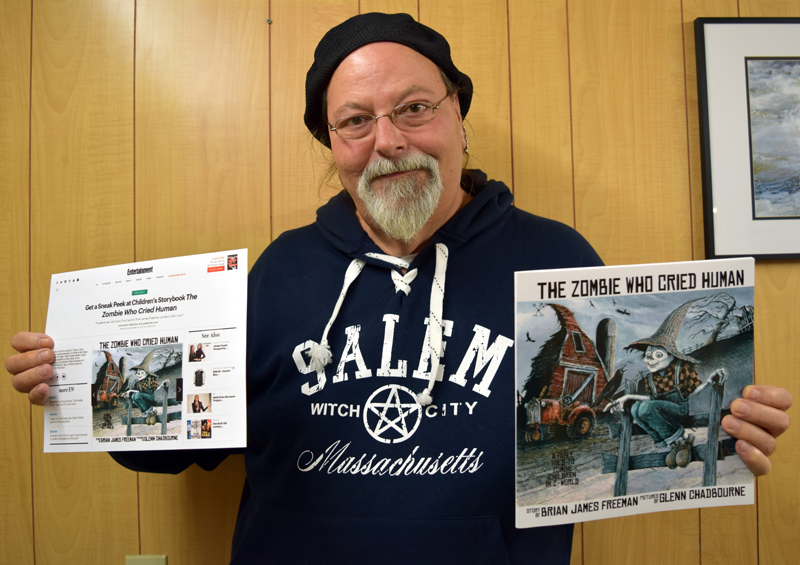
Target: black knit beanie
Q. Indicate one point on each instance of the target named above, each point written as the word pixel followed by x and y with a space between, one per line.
pixel 360 30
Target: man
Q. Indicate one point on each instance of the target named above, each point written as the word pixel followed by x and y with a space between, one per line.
pixel 380 366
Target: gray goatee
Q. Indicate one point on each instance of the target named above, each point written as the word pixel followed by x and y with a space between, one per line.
pixel 402 206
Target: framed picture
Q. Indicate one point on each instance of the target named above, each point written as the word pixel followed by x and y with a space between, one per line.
pixel 748 80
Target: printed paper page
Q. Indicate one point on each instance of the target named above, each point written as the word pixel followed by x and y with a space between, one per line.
pixel 149 355
pixel 622 377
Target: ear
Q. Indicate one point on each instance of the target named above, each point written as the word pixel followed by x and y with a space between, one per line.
pixel 463 132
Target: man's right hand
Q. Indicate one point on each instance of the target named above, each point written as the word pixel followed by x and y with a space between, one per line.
pixel 31 368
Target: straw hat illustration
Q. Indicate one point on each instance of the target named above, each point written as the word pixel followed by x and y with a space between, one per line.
pixel 667 335
pixel 145 364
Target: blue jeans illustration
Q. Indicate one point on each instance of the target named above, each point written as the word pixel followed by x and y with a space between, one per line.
pixel 662 417
pixel 143 401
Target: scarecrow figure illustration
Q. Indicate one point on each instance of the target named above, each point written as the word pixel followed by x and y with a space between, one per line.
pixel 669 383
pixel 142 390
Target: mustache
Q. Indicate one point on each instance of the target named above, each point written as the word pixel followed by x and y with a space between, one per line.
pixel 381 166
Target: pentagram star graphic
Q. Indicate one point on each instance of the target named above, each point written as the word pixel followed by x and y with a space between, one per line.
pixel 387 418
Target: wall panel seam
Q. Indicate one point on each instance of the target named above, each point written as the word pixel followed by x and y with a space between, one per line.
pixel 135 6
pixel 510 99
pixel 571 126
pixel 30 273
pixel 135 30
pixel 758 523
pixel 688 144
pixel 269 121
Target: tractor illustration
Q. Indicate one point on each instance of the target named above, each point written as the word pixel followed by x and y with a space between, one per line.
pixel 567 379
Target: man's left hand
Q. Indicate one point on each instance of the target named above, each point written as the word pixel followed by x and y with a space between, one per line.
pixel 756 421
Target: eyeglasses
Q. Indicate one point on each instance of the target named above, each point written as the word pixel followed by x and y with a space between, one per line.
pixel 406 117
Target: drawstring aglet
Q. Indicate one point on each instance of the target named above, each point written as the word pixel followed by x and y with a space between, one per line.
pixel 320 355
pixel 424 398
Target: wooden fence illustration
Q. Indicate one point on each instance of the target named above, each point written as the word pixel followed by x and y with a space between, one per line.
pixel 623 462
pixel 165 416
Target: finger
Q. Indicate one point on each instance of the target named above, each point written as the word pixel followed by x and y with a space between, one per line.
pixel 28 380
pixel 39 394
pixel 757 462
pixel 773 420
pixel 750 433
pixel 777 397
pixel 28 360
pixel 25 341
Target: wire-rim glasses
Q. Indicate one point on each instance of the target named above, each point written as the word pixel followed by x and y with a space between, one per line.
pixel 408 116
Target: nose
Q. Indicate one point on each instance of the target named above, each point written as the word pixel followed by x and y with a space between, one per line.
pixel 389 139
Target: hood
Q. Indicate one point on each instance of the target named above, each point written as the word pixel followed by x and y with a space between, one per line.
pixel 339 225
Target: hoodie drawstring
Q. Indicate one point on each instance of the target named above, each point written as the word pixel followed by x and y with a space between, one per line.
pixel 435 322
pixel 401 282
pixel 321 353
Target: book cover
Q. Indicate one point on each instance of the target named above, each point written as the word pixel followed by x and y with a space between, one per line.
pixel 623 375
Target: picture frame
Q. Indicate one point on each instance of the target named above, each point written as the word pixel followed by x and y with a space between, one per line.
pixel 749 112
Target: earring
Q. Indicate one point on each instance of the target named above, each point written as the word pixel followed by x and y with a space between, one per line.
pixel 466 140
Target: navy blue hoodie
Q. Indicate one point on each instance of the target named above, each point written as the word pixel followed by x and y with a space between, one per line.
pixel 344 465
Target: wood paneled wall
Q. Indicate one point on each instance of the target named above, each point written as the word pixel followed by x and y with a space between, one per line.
pixel 139 129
